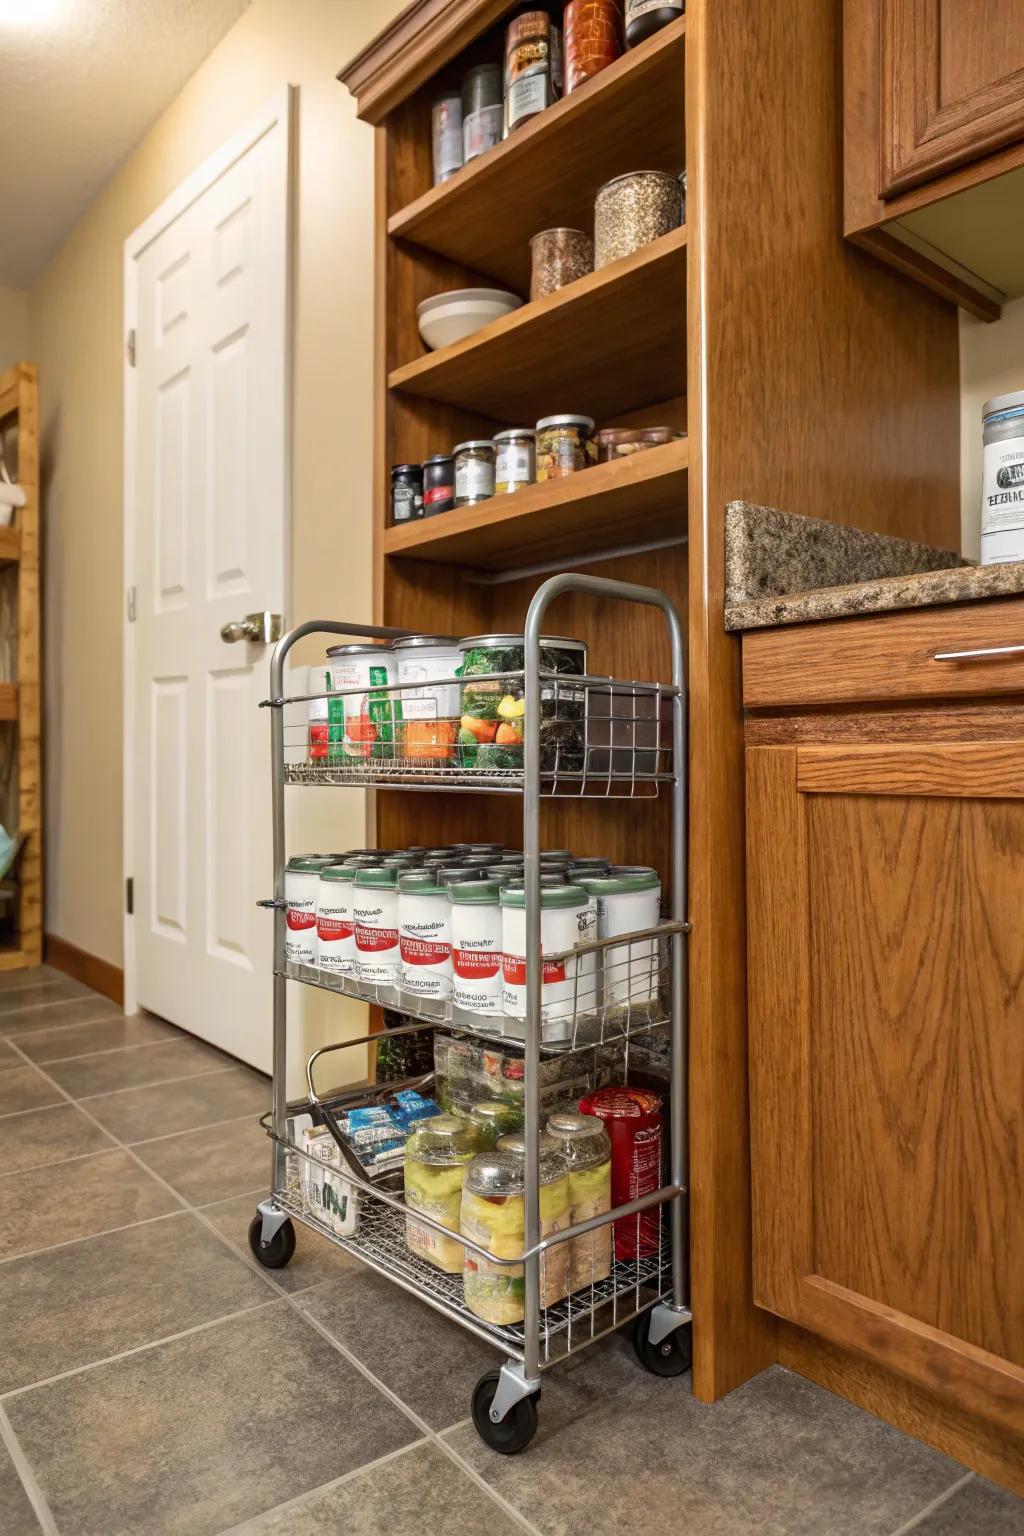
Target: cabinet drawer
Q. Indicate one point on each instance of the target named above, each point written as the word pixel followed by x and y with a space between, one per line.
pixel 888 656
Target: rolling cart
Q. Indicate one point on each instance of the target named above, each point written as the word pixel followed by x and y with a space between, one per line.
pixel 584 736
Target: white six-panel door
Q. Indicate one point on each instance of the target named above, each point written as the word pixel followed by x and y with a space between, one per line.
pixel 207 526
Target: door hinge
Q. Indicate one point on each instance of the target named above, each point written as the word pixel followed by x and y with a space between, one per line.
pixel 129 347
pixel 131 605
pixel 129 896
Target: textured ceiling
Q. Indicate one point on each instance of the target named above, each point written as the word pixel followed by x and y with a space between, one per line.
pixel 80 82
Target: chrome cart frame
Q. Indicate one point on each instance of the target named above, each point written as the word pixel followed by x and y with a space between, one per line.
pixel 644 1290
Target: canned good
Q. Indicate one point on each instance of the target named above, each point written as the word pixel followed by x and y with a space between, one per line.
pixel 593 39
pixel 406 492
pixel 586 1146
pixel 567 983
pixel 632 1117
pixel 625 904
pixel 475 920
pixel 564 446
pixel 375 919
pixel 533 67
pixel 474 471
pixel 436 1159
pixel 429 705
pixel 362 723
pixel 438 484
pixel 318 725
pixel 514 459
pixel 301 878
pixel 335 930
pixel 424 938
pixel 446 135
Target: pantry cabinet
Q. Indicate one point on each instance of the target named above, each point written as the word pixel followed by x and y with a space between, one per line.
pixel 885 876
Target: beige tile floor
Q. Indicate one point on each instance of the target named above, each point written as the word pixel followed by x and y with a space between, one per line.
pixel 153 1379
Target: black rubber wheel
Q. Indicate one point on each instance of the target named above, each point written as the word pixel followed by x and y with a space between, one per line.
pixel 276 1253
pixel 516 1429
pixel 672 1357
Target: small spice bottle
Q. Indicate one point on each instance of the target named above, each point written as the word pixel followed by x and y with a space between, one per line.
pixel 593 39
pixel 482 112
pixel 446 128
pixel 632 210
pixel 564 445
pixel 514 453
pixel 558 257
pixel 533 66
pixel 406 492
pixel 474 471
pixel 645 17
pixel 438 484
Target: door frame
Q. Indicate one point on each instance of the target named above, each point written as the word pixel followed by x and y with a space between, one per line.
pixel 277 111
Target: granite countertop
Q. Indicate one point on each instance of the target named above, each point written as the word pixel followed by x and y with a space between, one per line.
pixel 781 568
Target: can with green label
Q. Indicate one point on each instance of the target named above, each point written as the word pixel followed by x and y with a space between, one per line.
pixel 361 723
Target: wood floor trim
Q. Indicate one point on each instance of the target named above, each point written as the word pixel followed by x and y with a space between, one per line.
pixel 93 972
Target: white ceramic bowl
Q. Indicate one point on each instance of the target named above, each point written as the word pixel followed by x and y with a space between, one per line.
pixel 449 317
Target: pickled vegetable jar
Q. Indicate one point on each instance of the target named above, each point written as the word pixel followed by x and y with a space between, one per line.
pixel 493 1118
pixel 587 1147
pixel 436 1159
pixel 493 1215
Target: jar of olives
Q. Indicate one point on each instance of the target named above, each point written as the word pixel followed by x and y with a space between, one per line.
pixel 585 1144
pixel 436 1158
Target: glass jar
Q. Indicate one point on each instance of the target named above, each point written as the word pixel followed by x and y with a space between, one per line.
pixel 564 445
pixel 493 1215
pixel 558 257
pixel 482 112
pixel 446 132
pixel 438 484
pixel 593 39
pixel 645 17
pixel 493 1118
pixel 436 1159
pixel 620 442
pixel 474 471
pixel 632 210
pixel 494 709
pixel 1002 502
pixel 587 1148
pixel 533 67
pixel 406 493
pixel 514 456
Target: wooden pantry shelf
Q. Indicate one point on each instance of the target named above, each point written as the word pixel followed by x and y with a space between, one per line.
pixel 629 117
pixel 8 701
pixel 613 341
pixel 10 546
pixel 630 501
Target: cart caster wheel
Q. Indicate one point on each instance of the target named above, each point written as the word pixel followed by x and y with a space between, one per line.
pixel 276 1253
pixel 672 1357
pixel 515 1431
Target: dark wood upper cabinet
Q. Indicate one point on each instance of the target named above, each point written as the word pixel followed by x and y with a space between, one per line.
pixel 952 85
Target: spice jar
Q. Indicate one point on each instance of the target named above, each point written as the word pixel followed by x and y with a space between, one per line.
pixel 514 453
pixel 619 442
pixel 481 110
pixel 474 471
pixel 558 257
pixel 533 67
pixel 494 1216
pixel 436 1159
pixel 438 484
pixel 446 129
pixel 645 17
pixel 563 446
pixel 406 492
pixel 593 39
pixel 1002 502
pixel 632 210
pixel 586 1146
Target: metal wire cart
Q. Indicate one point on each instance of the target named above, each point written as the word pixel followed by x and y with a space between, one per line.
pixel 629 998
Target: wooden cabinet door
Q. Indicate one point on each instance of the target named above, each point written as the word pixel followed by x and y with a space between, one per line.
pixel 951 87
pixel 886 1011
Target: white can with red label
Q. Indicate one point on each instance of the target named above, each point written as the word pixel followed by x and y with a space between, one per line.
pixel 335 925
pixel 424 937
pixel 476 953
pixel 375 919
pixel 567 918
pixel 301 879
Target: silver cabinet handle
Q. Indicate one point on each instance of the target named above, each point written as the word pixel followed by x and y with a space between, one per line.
pixel 265 628
pixel 989 650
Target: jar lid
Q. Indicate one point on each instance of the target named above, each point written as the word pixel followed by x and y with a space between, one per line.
pixel 443 1139
pixel 571 1126
pixel 438 458
pixel 618 885
pixel 554 1164
pixel 338 872
pixel 406 469
pixel 473 442
pixel 549 878
pixel 380 649
pixel 495 1173
pixel 512 433
pixel 491 849
pixel 400 861
pixel 561 895
pixel 585 865
pixel 630 175
pixel 311 865
pixel 504 872
pixel 561 642
pixel 364 861
pixel 409 641
pixel 371 853
pixel 452 872
pixel 631 869
pixel 481 69
pixel 494 1112
pixel 559 229
pixel 420 882
pixel 386 878
pixel 1003 403
pixel 566 421
pixel 555 853
pixel 473 893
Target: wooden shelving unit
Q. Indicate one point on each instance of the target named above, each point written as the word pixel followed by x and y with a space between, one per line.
pixel 20 700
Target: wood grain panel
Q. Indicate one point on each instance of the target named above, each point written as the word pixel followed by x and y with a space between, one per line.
pixel 866 659
pixel 89 969
pixel 938 721
pixel 961 769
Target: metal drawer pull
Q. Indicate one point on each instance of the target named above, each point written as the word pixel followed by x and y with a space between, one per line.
pixel 990 650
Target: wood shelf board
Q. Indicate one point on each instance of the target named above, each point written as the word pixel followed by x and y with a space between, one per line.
pixel 10 546
pixel 8 701
pixel 556 163
pixel 612 341
pixel 631 501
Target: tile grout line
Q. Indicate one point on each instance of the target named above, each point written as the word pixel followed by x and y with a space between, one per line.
pixel 164 1082
pixel 108 1050
pixel 914 1522
pixel 89 1237
pixel 54 1002
pixel 190 1130
pixel 115 1145
pixel 251 1522
pixel 21 1464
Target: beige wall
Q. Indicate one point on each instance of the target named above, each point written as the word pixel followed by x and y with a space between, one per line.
pixel 991 363
pixel 77 338
pixel 14 337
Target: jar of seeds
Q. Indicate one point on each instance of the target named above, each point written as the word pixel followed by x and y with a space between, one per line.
pixel 632 210
pixel 558 257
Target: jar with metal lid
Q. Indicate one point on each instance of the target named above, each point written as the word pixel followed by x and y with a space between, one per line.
pixel 482 111
pixel 533 67
pixel 446 133
pixel 1002 502
pixel 494 1216
pixel 622 442
pixel 493 1118
pixel 438 484
pixel 587 1147
pixel 558 257
pixel 429 696
pixel 406 493
pixel 645 17
pixel 436 1159
pixel 593 39
pixel 632 210
pixel 474 471
pixel 514 453
pixel 564 445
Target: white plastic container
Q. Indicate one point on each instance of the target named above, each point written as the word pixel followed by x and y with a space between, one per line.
pixel 326 1195
pixel 420 660
pixel 335 926
pixel 424 939
pixel 1002 501
pixel 375 918
pixel 626 903
pixel 567 986
pixel 476 954
pixel 301 880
